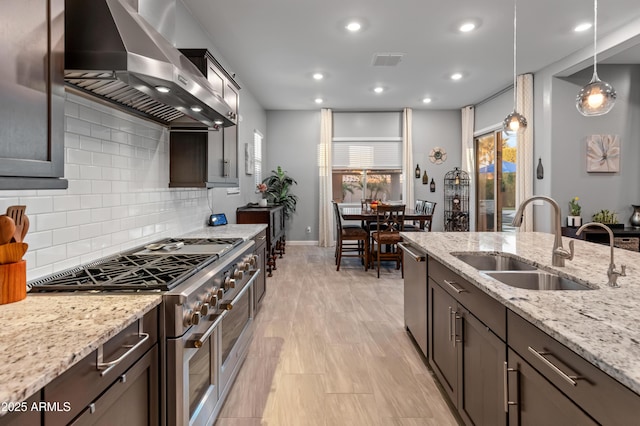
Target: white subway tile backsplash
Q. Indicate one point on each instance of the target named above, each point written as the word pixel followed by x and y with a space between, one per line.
pixel 118 196
pixel 48 221
pixel 66 202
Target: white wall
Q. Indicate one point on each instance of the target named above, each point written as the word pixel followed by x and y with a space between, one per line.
pixel 118 196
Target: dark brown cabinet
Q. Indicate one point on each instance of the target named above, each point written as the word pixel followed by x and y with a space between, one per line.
pixel 465 354
pixel 260 286
pixel 128 392
pixel 207 157
pixel 274 217
pixel 32 93
pixel 533 401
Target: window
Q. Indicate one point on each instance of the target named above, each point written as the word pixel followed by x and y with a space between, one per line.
pixel 496 181
pixel 257 157
pixel 367 157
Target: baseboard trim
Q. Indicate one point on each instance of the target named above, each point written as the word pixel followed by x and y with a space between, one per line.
pixel 302 243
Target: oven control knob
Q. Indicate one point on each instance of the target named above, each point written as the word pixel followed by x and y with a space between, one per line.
pixel 226 306
pixel 191 318
pixel 220 293
pixel 213 299
pixel 253 260
pixel 204 309
pixel 244 266
pixel 237 274
pixel 229 283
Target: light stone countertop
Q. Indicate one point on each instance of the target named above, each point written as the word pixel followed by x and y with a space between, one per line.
pixel 601 325
pixel 44 335
pixel 244 231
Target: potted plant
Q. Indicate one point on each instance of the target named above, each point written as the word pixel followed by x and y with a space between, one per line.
pixel 574 218
pixel 608 218
pixel 278 186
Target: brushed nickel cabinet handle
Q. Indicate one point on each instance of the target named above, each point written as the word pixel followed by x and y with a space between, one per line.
pixel 506 372
pixel 455 286
pixel 567 378
pixel 105 367
pixel 450 328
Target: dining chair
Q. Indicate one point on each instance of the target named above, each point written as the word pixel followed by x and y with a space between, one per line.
pixel 389 224
pixel 425 207
pixel 351 240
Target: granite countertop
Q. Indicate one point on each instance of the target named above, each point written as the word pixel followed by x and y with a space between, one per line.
pixel 601 325
pixel 246 232
pixel 45 334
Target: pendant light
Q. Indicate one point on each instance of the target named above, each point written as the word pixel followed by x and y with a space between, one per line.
pixel 514 122
pixel 597 97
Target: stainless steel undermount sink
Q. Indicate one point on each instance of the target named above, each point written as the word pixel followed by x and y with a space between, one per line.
pixel 494 262
pixel 536 280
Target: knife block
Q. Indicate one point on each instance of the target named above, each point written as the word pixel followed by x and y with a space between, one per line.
pixel 13 282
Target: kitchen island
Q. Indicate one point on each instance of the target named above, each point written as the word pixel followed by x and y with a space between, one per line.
pixel 600 324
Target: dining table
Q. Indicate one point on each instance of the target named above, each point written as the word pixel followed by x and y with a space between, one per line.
pixel 369 215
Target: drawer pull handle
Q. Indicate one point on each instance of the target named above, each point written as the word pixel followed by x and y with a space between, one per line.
pixel 507 403
pixel 105 367
pixel 450 327
pixel 567 378
pixel 455 286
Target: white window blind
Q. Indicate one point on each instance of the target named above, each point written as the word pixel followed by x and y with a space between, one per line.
pixel 257 157
pixel 367 153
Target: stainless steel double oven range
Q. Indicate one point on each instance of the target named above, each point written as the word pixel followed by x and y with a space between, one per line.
pixel 207 317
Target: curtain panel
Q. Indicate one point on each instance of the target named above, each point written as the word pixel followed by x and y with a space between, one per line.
pixel 408 195
pixel 468 158
pixel 326 224
pixel 524 156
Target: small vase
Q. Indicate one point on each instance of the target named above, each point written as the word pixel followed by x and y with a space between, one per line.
pixel 574 221
pixel 635 217
pixel 262 202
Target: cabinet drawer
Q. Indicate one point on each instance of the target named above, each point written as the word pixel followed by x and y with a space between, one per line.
pixel 488 310
pixel 82 383
pixel 605 399
pixel 261 238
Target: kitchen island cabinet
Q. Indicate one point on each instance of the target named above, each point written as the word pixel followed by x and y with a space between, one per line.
pixel 571 353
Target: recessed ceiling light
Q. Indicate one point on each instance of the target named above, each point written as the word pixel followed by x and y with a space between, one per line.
pixel 378 89
pixel 467 26
pixel 318 76
pixel 196 108
pixel 163 89
pixel 353 26
pixel 582 27
pixel 426 100
pixel 456 76
pixel 319 100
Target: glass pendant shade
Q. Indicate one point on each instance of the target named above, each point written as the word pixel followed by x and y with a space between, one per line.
pixel 596 98
pixel 514 123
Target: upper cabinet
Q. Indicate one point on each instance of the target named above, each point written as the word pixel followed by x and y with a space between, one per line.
pixel 206 157
pixel 32 93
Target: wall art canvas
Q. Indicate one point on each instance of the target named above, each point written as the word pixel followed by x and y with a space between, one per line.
pixel 603 153
pixel 249 162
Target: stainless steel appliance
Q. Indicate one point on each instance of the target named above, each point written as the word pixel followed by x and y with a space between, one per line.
pixel 415 294
pixel 208 302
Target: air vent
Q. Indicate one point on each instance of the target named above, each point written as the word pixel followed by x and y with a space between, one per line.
pixel 387 59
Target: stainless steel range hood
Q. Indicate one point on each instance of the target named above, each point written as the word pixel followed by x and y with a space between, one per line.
pixel 112 52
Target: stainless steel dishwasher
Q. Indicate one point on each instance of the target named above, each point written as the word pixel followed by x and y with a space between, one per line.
pixel 415 293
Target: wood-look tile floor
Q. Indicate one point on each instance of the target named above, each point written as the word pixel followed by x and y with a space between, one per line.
pixel 330 349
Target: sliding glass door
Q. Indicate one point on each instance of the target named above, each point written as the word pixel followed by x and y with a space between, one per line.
pixel 496 181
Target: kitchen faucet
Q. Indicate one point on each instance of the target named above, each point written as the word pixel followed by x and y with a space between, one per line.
pixel 559 253
pixel 612 274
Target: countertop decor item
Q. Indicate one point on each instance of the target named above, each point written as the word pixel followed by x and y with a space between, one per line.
pixel 514 122
pixel 7 229
pixel 597 97
pixel 603 153
pixel 574 218
pixel 438 155
pixel 635 217
pixel 608 218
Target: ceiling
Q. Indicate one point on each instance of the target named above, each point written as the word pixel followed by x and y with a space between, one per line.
pixel 275 46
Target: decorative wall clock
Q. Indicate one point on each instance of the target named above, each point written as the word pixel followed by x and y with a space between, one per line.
pixel 438 155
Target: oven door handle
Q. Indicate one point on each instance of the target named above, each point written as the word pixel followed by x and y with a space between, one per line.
pixel 200 341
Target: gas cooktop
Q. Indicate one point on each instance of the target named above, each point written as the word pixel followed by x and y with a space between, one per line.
pixel 141 269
